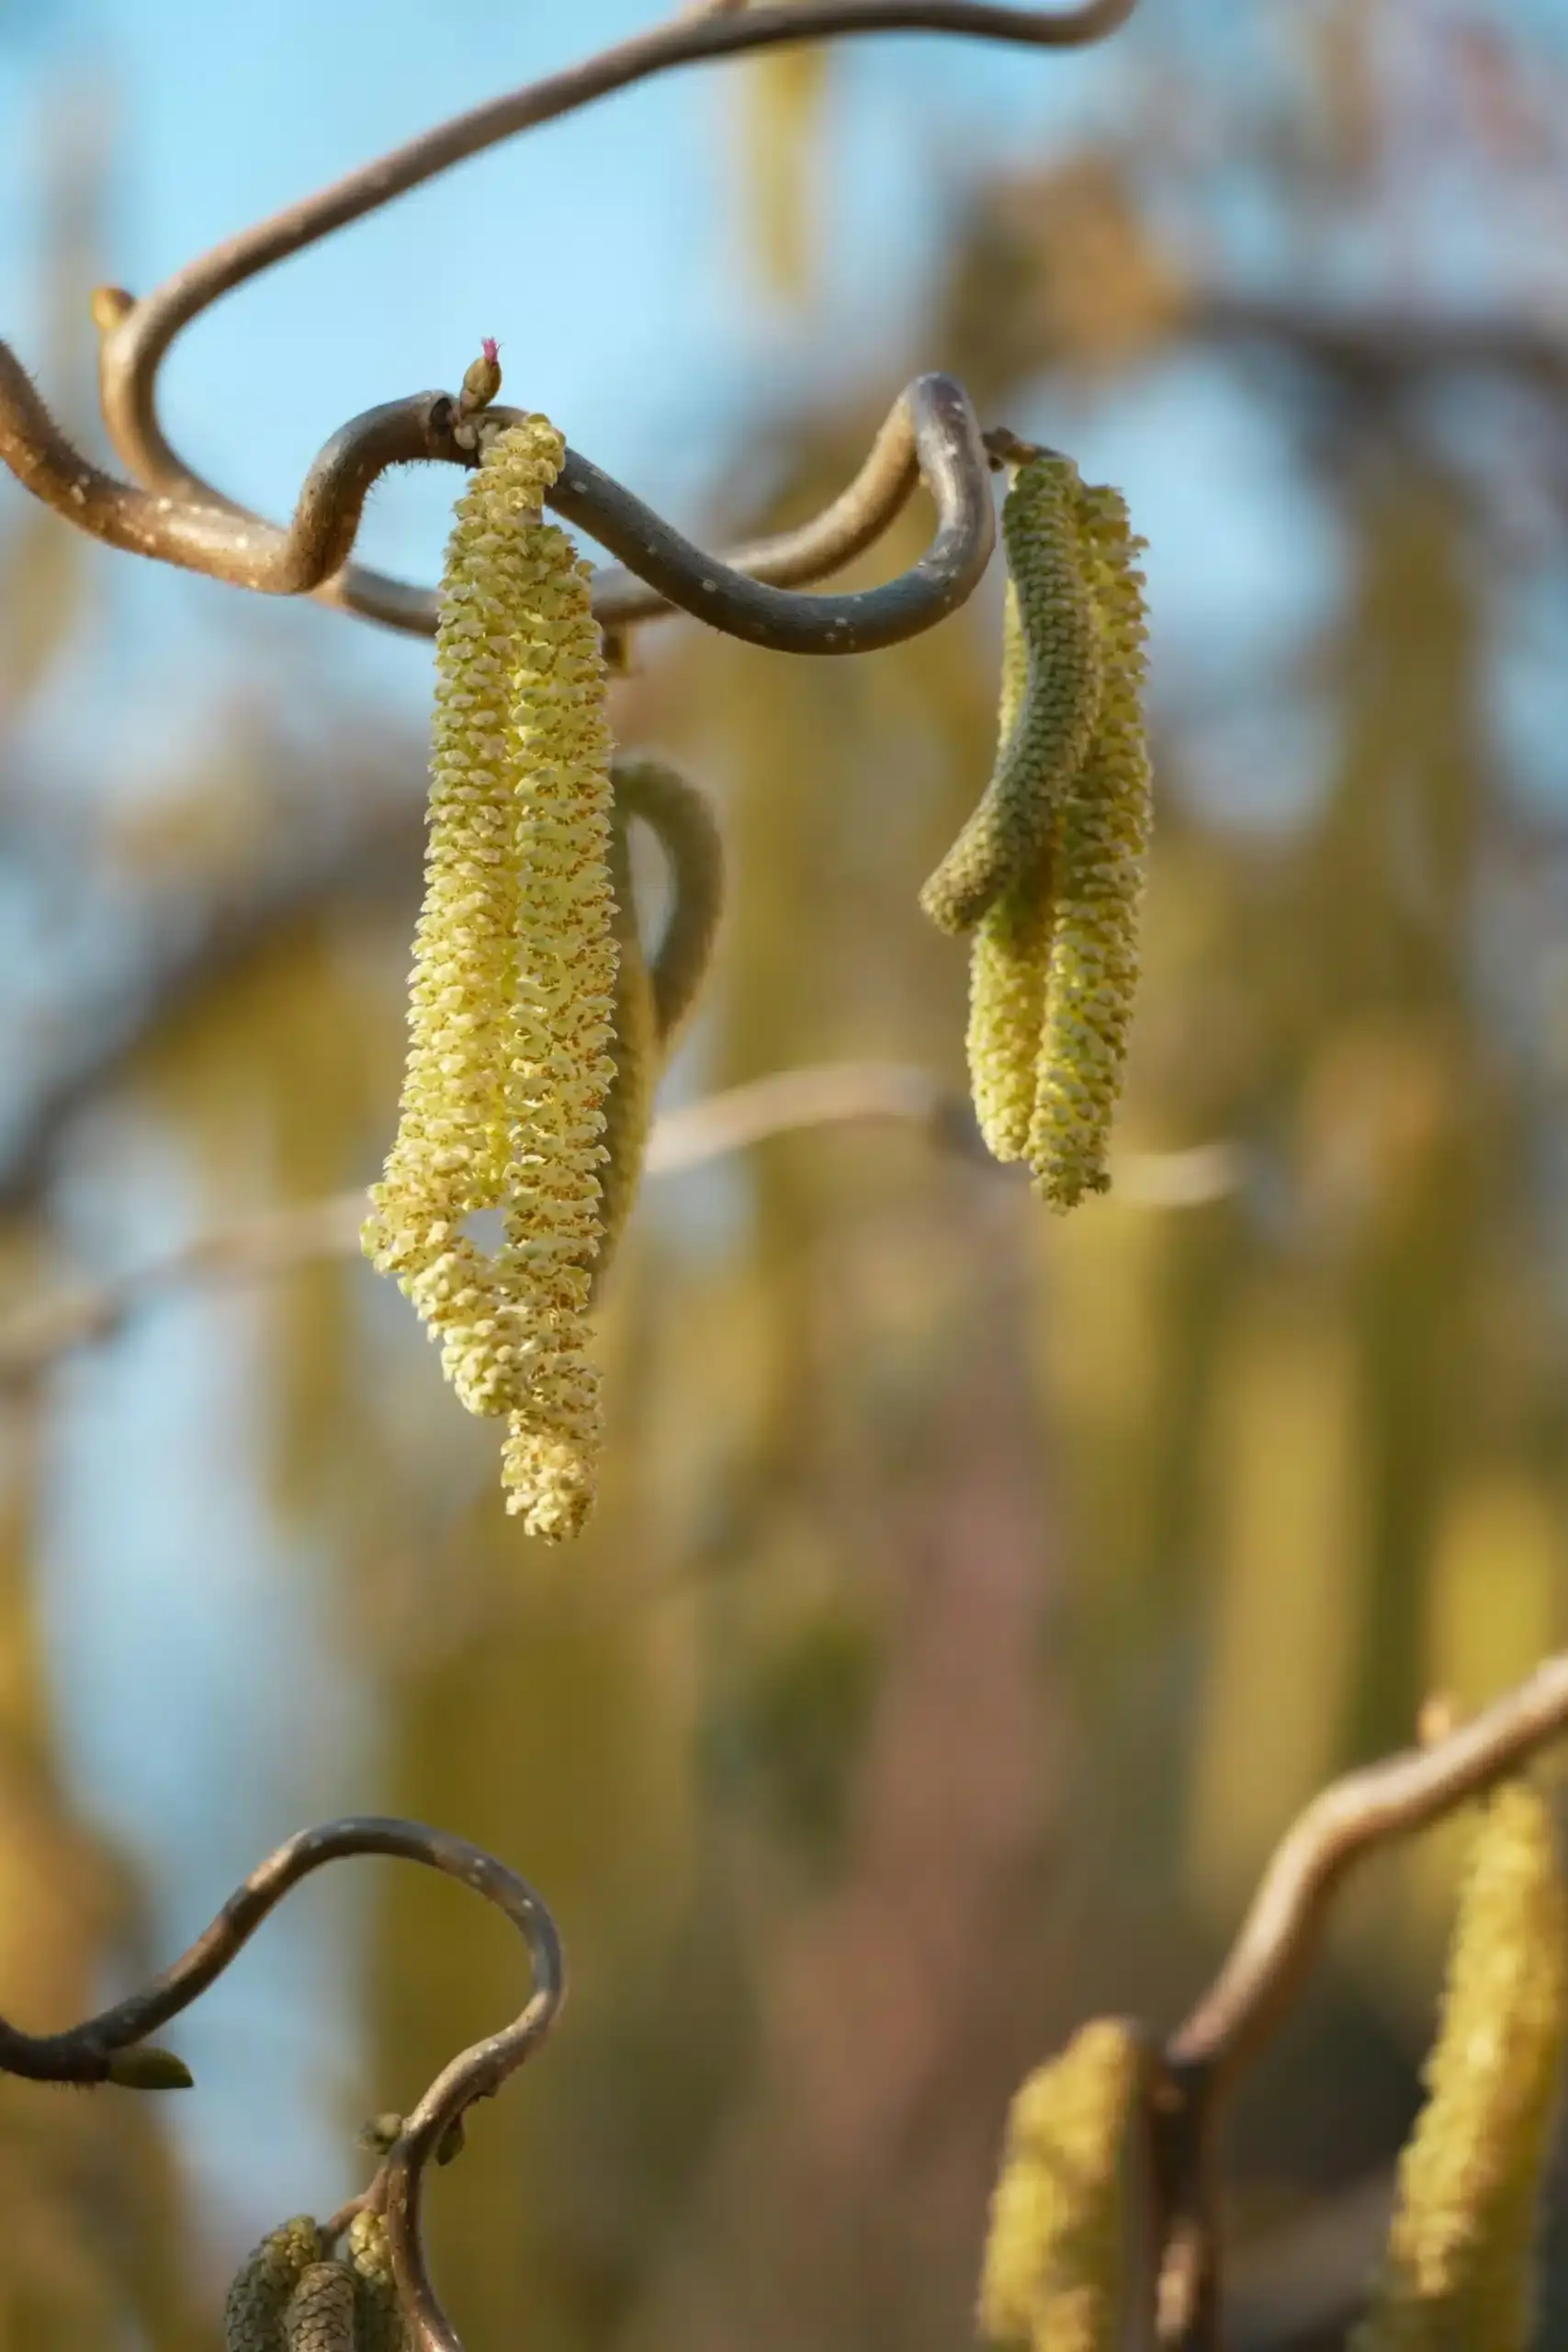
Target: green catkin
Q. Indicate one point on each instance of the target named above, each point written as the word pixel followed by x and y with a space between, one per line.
pixel 254 2313
pixel 1008 961
pixel 1459 2276
pixel 380 2321
pixel 510 1002
pixel 1055 657
pixel 1056 2260
pixel 321 2312
pixel 1100 838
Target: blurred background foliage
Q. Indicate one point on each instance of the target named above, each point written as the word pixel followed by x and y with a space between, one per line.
pixel 973 1596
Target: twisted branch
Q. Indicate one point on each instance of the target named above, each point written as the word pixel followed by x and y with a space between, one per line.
pixel 86 2053
pixel 1253 1990
pixel 179 518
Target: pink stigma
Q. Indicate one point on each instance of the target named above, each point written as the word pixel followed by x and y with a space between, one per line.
pixel 489 347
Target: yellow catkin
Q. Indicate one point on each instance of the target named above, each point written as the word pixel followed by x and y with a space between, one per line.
pixel 1051 697
pixel 1459 2269
pixel 380 2321
pixel 254 2313
pixel 510 1001
pixel 1057 2253
pixel 1100 838
pixel 321 2312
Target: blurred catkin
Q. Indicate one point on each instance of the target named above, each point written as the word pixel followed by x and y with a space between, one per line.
pixel 1008 961
pixel 319 2317
pixel 512 997
pixel 1056 2265
pixel 1052 862
pixel 628 1106
pixel 259 2298
pixel 1099 842
pixel 1050 694
pixel 1459 2268
pixel 381 2324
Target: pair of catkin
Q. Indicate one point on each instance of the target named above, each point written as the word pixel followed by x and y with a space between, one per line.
pixel 1048 873
pixel 290 2296
pixel 512 995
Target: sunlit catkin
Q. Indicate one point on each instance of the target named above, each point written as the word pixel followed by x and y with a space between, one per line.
pixel 254 2313
pixel 1459 2265
pixel 510 1002
pixel 1056 2265
pixel 1100 836
pixel 1051 697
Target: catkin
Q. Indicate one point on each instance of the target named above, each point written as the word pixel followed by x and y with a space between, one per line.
pixel 1055 853
pixel 1049 707
pixel 319 2317
pixel 254 2312
pixel 1007 960
pixel 1459 2268
pixel 1056 2260
pixel 1099 839
pixel 511 1000
pixel 380 2328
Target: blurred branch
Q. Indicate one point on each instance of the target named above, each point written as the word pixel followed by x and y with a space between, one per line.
pixel 88 2054
pixel 1254 1991
pixel 1380 344
pixel 40 1330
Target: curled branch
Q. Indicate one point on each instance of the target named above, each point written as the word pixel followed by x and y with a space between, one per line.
pixel 86 2052
pixel 1253 1992
pixel 934 430
pixel 137 335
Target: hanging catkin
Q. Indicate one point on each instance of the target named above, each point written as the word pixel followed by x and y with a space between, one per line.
pixel 510 1002
pixel 1097 843
pixel 1052 862
pixel 1050 697
pixel 264 2284
pixel 1056 2266
pixel 1459 2269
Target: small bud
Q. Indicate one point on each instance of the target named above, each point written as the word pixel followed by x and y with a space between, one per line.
pixel 380 2133
pixel 482 380
pixel 148 2068
pixel 109 305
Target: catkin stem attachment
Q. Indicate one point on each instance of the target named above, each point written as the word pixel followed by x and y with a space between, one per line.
pixel 511 1003
pixel 1459 2268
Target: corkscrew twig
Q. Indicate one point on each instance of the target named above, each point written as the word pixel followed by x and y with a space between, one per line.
pixel 87 2053
pixel 170 513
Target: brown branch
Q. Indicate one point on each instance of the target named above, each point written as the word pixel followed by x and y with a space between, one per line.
pixel 933 430
pixel 86 2052
pixel 1253 1990
pixel 40 1331
pixel 137 335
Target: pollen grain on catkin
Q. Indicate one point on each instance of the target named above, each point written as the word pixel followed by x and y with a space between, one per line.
pixel 1460 2262
pixel 511 994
